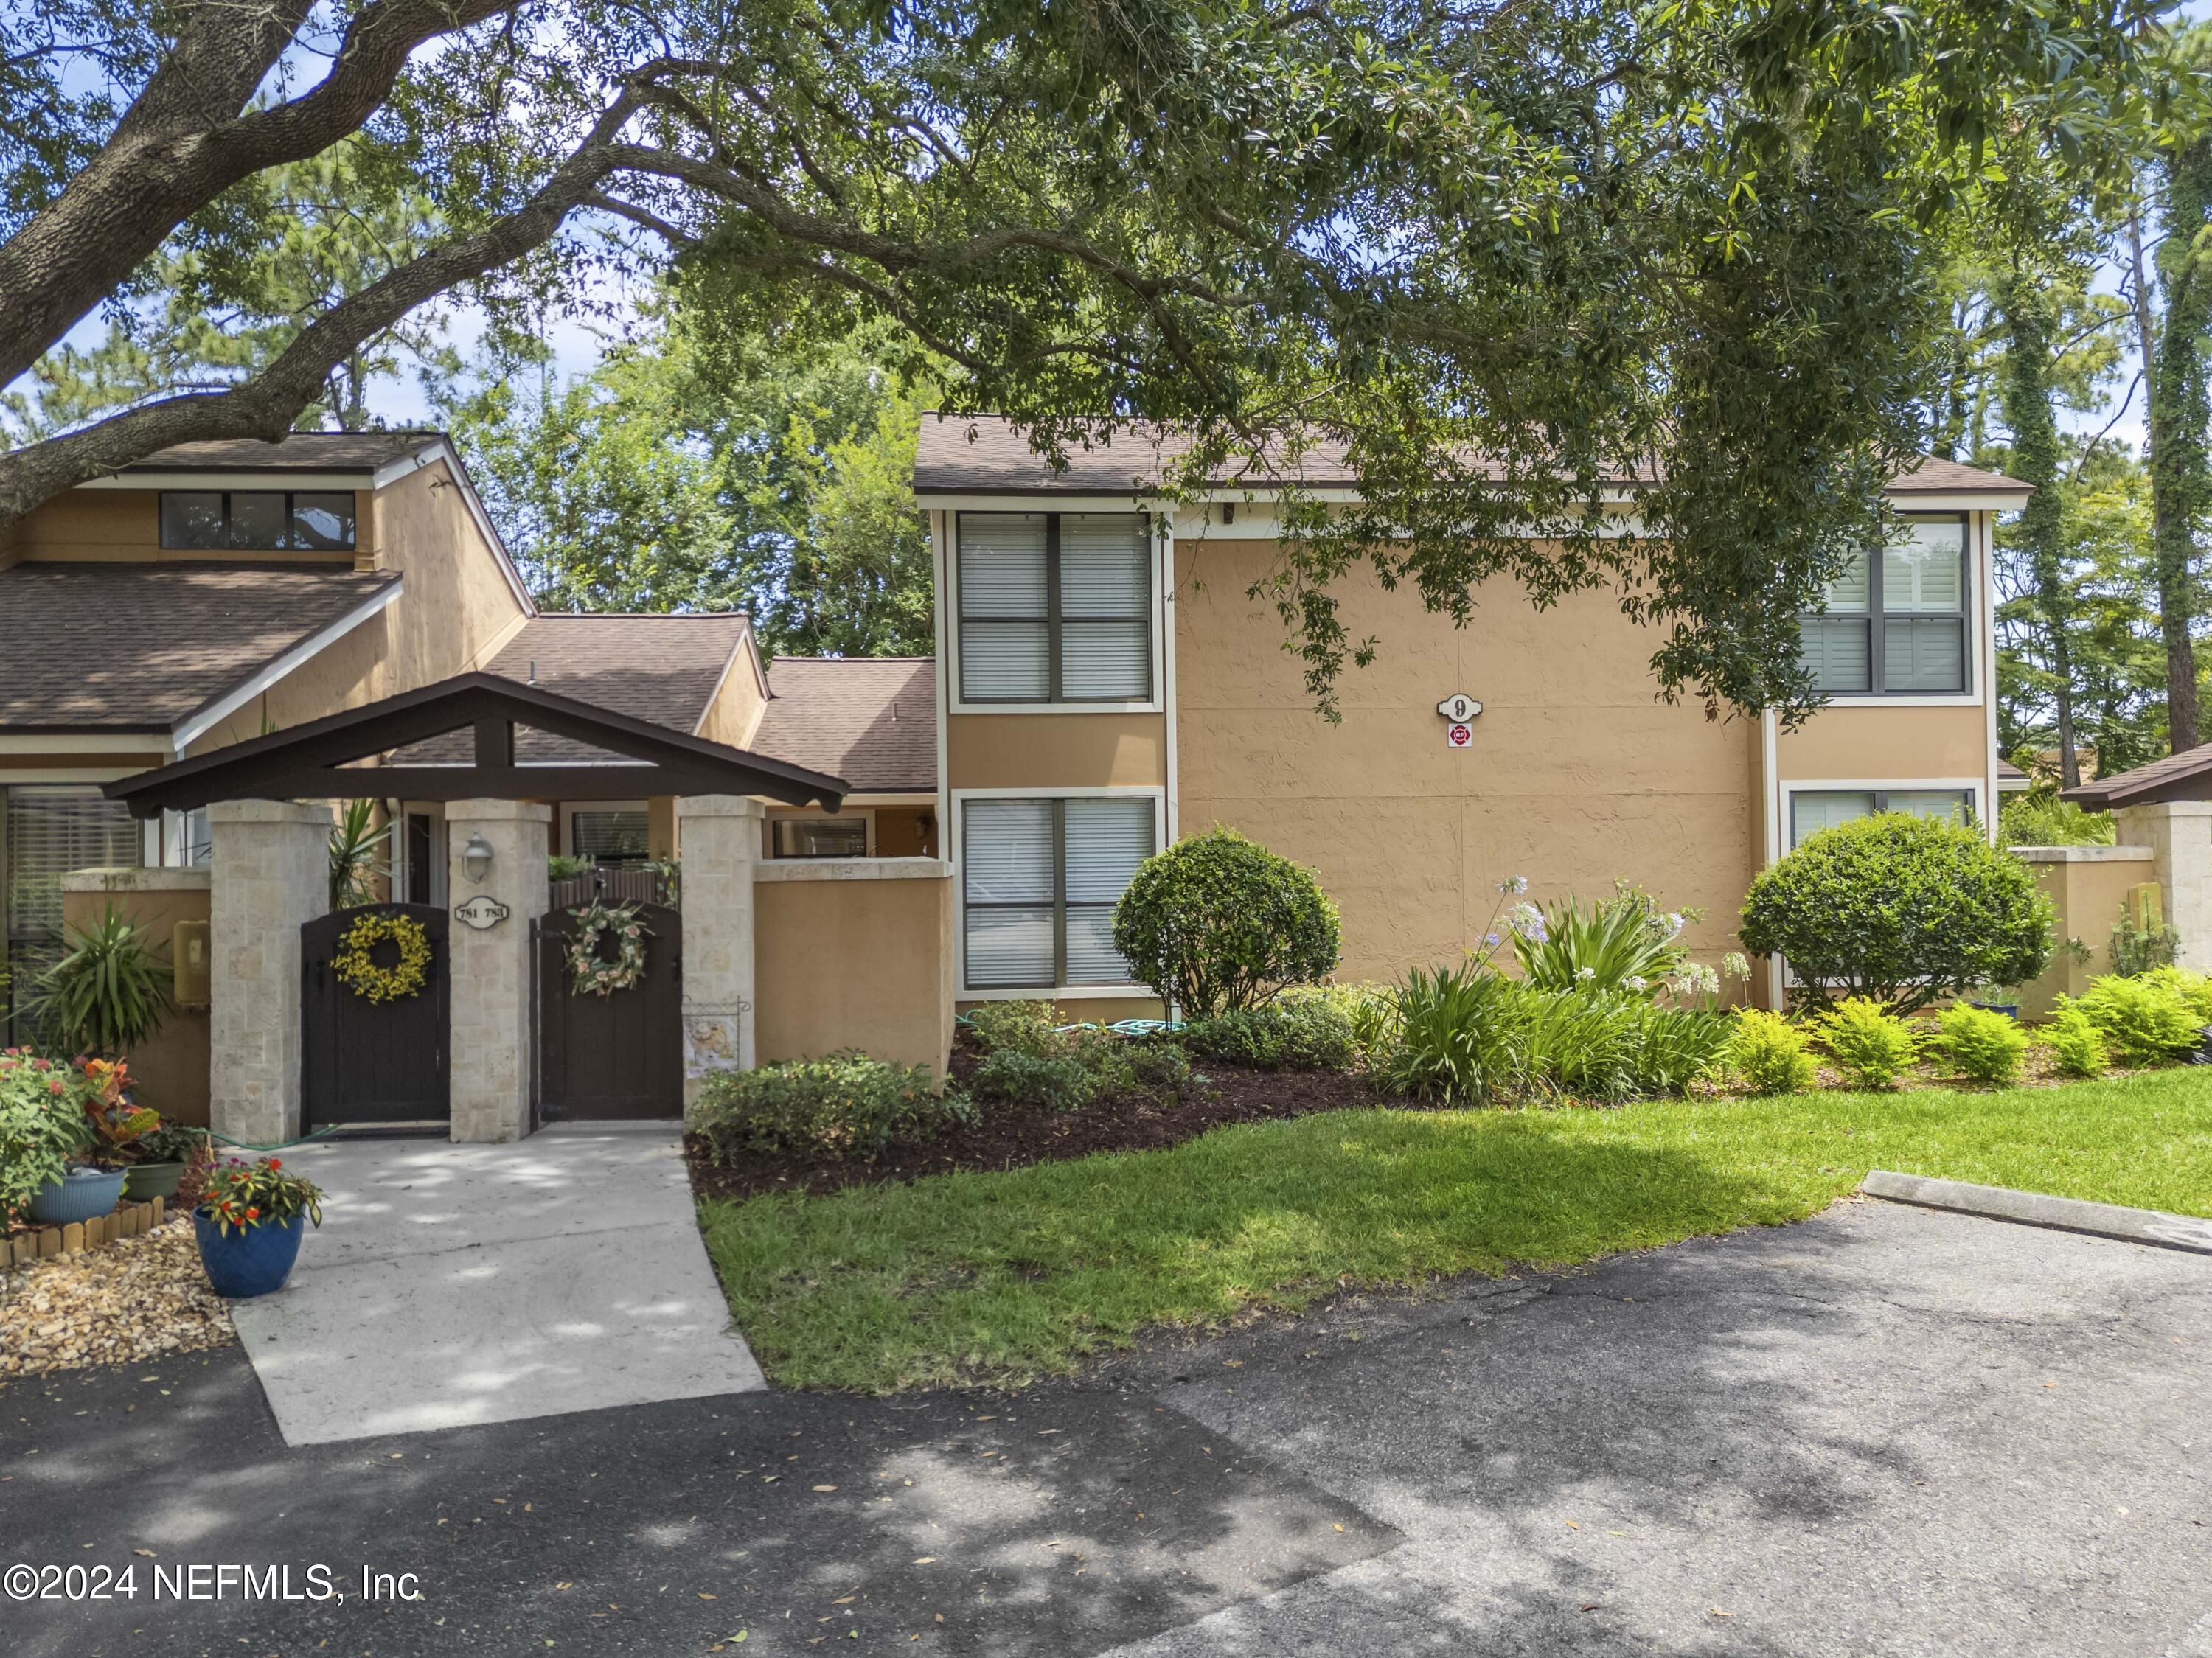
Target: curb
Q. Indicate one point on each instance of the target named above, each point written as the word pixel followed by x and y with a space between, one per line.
pixel 2101 1220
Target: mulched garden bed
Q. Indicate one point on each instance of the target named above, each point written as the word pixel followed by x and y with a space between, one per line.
pixel 1010 1137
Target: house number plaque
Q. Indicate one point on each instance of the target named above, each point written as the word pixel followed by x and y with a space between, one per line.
pixel 482 912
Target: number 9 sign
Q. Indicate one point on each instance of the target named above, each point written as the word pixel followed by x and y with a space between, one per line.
pixel 1459 708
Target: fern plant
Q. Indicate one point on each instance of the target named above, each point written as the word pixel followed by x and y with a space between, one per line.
pixel 1870 1042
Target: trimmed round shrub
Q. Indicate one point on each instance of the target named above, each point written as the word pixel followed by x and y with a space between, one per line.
pixel 1217 923
pixel 841 1106
pixel 1900 910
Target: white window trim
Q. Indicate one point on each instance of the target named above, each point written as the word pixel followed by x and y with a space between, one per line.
pixel 1976 621
pixel 950 586
pixel 1974 787
pixel 955 842
pixel 570 808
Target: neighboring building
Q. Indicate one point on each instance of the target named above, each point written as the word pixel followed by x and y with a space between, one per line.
pixel 1108 686
pixel 216 591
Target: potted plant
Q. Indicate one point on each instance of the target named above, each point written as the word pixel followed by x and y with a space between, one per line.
pixel 249 1222
pixel 98 1091
pixel 164 1152
pixel 42 1131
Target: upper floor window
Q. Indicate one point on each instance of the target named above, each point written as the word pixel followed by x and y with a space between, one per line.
pixel 1056 607
pixel 258 520
pixel 1896 625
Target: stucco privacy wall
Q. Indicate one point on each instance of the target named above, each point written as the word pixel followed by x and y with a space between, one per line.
pixel 268 870
pixel 1577 776
pixel 2088 887
pixel 854 953
pixel 169 1069
pixel 2179 835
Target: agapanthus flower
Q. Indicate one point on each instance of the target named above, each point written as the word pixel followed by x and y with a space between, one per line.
pixel 1514 885
pixel 1585 973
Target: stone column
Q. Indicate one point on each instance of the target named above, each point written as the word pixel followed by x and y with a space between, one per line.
pixel 2179 834
pixel 489 1038
pixel 719 836
pixel 269 875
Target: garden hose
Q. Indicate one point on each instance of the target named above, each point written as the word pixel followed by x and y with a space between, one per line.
pixel 279 1145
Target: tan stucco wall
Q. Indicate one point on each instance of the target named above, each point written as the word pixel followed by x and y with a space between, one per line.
pixel 844 960
pixel 1054 750
pixel 455 612
pixel 1576 775
pixel 1852 740
pixel 171 1069
pixel 2089 887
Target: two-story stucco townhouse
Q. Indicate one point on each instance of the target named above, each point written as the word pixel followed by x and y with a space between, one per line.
pixel 216 590
pixel 1108 686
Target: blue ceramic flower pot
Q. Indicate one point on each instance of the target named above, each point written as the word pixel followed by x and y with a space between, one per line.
pixel 248 1261
pixel 78 1195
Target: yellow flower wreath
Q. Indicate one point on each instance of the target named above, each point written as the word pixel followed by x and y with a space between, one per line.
pixel 405 978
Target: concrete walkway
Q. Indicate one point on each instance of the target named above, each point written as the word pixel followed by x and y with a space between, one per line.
pixel 457 1284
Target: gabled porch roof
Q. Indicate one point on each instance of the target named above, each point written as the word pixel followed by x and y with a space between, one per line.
pixel 316 761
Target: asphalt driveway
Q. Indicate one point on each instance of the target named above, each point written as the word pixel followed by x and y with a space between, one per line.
pixel 1884 1431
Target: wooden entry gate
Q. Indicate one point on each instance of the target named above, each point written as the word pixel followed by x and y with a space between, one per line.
pixel 373 1062
pixel 620 1056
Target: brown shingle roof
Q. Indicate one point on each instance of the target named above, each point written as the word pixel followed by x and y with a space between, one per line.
pixel 988 454
pixel 662 668
pixel 140 646
pixel 2183 776
pixel 870 720
pixel 302 451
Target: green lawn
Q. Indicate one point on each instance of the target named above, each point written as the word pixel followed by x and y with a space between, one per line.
pixel 1001 1277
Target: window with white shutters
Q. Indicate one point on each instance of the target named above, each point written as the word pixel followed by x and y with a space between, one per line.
pixel 1039 880
pixel 1054 607
pixel 1896 625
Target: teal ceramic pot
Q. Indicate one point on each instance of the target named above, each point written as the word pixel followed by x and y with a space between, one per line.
pixel 79 1195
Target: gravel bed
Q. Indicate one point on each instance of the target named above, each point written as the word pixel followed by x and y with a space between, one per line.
pixel 137 1299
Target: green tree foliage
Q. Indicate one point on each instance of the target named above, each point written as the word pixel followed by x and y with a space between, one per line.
pixel 747 475
pixel 1496 256
pixel 223 298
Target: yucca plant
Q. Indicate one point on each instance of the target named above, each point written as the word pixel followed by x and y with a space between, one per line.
pixel 355 844
pixel 106 994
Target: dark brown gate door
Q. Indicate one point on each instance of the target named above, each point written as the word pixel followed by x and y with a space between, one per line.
pixel 372 1062
pixel 617 1055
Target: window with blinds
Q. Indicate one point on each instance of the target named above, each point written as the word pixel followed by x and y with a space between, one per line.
pixel 1041 878
pixel 1812 810
pixel 1896 624
pixel 1054 607
pixel 49 831
pixel 619 836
